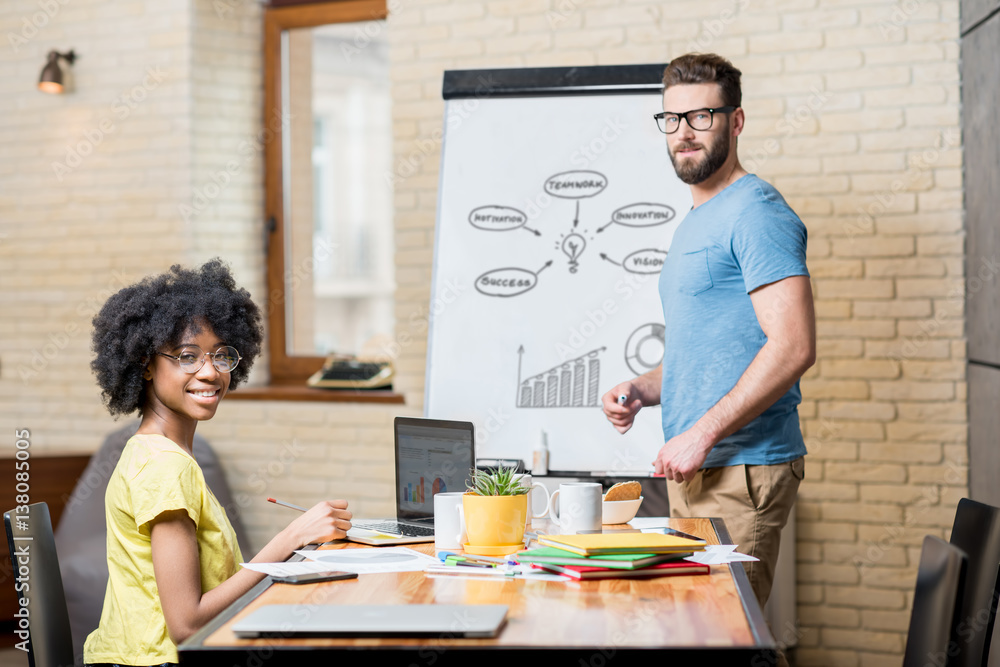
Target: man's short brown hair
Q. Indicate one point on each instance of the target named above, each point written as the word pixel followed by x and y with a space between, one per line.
pixel 706 68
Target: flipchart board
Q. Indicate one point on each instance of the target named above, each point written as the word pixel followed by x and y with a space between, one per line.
pixel 557 205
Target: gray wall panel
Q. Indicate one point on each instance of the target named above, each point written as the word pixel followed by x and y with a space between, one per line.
pixel 973 11
pixel 981 143
pixel 984 432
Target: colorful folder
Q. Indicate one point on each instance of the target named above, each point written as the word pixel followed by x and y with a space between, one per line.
pixel 595 544
pixel 631 561
pixel 660 570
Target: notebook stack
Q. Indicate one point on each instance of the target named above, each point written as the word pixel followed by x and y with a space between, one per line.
pixel 614 555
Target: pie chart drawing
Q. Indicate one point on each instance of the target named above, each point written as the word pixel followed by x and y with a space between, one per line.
pixel 644 348
pixel 438 486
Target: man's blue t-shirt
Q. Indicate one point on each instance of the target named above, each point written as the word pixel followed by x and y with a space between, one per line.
pixel 742 238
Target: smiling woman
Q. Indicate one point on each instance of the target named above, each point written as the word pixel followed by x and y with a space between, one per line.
pixel 153 315
pixel 171 347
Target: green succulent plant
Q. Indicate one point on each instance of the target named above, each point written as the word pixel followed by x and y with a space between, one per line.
pixel 499 482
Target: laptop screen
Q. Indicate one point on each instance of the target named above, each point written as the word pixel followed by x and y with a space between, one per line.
pixel 432 456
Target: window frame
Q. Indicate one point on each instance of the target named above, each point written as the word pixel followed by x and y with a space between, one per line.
pixel 288 370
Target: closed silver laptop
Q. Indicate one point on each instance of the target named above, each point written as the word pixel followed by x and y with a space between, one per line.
pixel 400 620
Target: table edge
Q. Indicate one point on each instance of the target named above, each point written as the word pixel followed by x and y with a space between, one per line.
pixel 755 614
pixel 197 640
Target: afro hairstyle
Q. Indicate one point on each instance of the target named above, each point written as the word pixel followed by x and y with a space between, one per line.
pixel 156 312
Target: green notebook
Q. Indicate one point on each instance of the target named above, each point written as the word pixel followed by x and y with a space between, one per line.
pixel 634 561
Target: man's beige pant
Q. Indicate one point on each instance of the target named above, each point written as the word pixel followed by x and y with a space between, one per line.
pixel 753 500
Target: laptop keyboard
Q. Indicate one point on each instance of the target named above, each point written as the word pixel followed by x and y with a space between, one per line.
pixel 396 528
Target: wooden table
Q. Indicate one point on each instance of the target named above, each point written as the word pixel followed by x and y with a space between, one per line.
pixel 710 619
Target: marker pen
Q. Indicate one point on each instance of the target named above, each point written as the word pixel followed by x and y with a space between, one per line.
pixel 622 399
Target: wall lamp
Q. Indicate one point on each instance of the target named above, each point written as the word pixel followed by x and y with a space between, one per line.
pixel 51 80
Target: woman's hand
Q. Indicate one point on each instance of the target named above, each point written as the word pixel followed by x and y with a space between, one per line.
pixel 323 522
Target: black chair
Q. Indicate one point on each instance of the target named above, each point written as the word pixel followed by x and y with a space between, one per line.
pixel 33 553
pixel 936 600
pixel 977 532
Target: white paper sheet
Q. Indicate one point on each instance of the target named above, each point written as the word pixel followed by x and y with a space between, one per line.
pixel 368 561
pixel 719 554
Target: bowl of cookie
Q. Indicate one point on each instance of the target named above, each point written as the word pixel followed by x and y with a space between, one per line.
pixel 621 502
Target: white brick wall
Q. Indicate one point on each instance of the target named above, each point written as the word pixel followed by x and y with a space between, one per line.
pixel 86 178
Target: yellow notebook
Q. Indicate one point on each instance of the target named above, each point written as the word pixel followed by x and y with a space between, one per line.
pixel 593 544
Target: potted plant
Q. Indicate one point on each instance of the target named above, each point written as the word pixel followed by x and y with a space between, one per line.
pixel 495 508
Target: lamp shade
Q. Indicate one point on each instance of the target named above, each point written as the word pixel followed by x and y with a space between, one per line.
pixel 51 79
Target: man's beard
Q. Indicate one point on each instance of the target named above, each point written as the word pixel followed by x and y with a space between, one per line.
pixel 693 172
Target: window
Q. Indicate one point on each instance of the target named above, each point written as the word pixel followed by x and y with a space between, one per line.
pixel 330 233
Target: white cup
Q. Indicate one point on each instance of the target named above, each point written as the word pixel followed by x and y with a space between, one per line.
pixel 525 480
pixel 579 506
pixel 449 528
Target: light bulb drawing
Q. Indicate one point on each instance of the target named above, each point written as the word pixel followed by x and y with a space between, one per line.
pixel 573 246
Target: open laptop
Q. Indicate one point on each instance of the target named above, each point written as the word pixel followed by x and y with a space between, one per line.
pixel 432 456
pixel 400 620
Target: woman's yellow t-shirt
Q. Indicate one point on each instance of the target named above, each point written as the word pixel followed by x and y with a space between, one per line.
pixel 153 475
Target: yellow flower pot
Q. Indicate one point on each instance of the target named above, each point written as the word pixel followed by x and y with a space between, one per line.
pixel 495 521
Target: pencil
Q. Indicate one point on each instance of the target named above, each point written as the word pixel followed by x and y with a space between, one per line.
pixel 284 504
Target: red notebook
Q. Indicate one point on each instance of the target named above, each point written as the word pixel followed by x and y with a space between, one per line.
pixel 660 570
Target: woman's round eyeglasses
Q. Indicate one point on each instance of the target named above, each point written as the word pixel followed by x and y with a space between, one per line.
pixel 191 358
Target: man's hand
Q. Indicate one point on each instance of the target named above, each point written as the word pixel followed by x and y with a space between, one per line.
pixel 681 457
pixel 621 415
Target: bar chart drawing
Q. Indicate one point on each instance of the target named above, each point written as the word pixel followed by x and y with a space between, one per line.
pixel 574 383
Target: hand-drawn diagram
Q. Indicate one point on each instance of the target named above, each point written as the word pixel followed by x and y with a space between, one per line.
pixel 644 348
pixel 575 383
pixel 510 281
pixel 649 260
pixel 578 185
pixel 572 245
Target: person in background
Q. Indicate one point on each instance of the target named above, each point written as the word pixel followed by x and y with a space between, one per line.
pixel 171 347
pixel 740 327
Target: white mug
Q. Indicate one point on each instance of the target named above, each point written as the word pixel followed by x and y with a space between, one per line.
pixel 525 480
pixel 579 506
pixel 449 526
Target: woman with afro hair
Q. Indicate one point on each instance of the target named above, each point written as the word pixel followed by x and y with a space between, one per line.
pixel 170 347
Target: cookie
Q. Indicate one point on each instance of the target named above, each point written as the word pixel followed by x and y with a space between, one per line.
pixel 624 491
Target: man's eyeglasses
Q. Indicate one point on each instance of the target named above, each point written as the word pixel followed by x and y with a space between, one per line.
pixel 698 119
pixel 191 358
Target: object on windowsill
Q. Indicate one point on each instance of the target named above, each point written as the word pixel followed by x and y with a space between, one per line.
pixel 341 372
